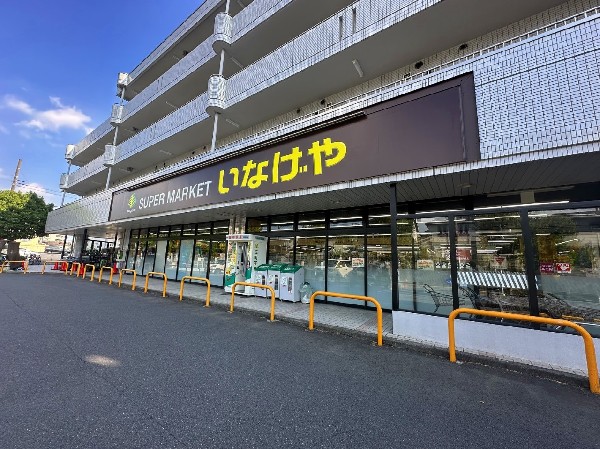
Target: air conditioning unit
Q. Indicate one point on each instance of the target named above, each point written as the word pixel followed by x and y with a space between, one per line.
pixel 123 79
pixel 110 154
pixel 116 116
pixel 70 152
pixel 64 180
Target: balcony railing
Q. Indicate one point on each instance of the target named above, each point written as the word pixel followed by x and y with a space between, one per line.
pixel 93 137
pixel 89 169
pixel 187 65
pixel 191 113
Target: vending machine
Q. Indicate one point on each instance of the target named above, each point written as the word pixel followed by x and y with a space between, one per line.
pixel 245 252
pixel 274 277
pixel 261 278
pixel 292 278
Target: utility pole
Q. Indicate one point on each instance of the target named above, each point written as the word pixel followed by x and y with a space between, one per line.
pixel 14 183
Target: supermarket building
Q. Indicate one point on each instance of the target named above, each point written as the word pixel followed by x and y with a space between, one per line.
pixel 430 154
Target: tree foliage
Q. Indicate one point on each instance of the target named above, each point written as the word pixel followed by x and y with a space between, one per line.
pixel 22 215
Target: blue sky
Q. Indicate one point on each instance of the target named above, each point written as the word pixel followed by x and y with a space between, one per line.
pixel 59 62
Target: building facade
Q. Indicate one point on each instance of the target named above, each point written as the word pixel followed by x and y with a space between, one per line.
pixel 431 154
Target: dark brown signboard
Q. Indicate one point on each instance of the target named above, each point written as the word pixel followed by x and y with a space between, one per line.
pixel 427 128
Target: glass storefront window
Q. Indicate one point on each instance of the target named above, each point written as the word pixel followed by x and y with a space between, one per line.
pixel 201 254
pixel 152 232
pixel 160 257
pixel 491 262
pixel 281 250
pixel 346 266
pixel 189 230
pixel 346 219
pixel 185 258
pixel 282 223
pixel 254 225
pixel 567 245
pixel 172 258
pixel 221 227
pixel 310 253
pixel 175 232
pixel 311 221
pixel 139 258
pixel 143 233
pixel 216 272
pixel 131 251
pixel 379 217
pixel 424 265
pixel 149 256
pixel 379 268
pixel 163 232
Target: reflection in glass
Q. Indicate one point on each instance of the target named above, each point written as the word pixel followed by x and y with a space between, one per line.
pixel 281 250
pixel 379 266
pixel 346 267
pixel 149 256
pixel 161 254
pixel 132 248
pixel 424 265
pixel 139 258
pixel 217 262
pixel 172 259
pixel 310 253
pixel 491 262
pixel 567 245
pixel 185 258
pixel 200 266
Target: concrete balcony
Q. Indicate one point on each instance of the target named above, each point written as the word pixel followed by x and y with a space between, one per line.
pixel 315 65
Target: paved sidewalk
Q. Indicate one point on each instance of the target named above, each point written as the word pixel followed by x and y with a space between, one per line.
pixel 354 321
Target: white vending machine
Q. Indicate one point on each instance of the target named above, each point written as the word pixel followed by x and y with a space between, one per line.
pixel 292 278
pixel 260 277
pixel 274 277
pixel 245 252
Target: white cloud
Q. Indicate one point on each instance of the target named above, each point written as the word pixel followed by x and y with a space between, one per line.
pixel 49 196
pixel 59 117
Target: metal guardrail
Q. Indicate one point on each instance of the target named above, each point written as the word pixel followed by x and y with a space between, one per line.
pixel 588 342
pixel 7 262
pixel 100 274
pixel 85 267
pixel 127 270
pixel 311 309
pixel 156 273
pixel 78 268
pixel 196 278
pixel 248 284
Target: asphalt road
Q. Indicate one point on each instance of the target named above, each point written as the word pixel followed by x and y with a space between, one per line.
pixel 84 365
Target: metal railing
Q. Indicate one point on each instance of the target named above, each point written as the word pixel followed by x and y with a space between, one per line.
pixel 156 273
pixel 588 342
pixel 73 267
pixel 196 278
pixel 7 262
pixel 110 277
pixel 127 270
pixel 249 284
pixel 311 309
pixel 85 267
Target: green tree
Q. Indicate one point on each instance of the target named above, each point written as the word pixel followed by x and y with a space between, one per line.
pixel 22 216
